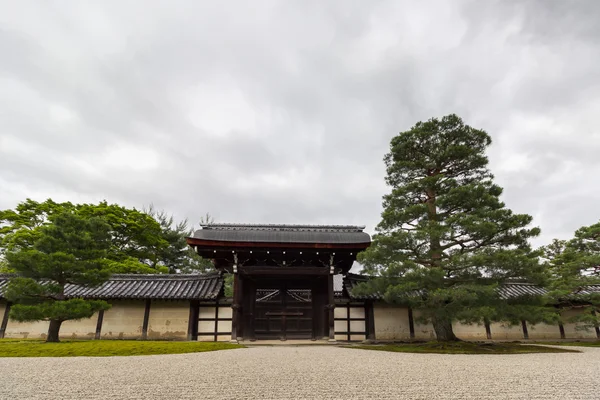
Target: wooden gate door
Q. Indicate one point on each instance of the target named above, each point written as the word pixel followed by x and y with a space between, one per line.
pixel 283 313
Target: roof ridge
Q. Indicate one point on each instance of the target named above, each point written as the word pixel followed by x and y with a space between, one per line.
pixel 241 226
pixel 208 275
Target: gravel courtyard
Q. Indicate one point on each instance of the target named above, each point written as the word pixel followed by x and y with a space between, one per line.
pixel 306 372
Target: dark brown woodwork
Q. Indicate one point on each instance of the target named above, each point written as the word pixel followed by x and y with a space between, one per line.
pixel 369 321
pixel 488 329
pixel 146 320
pixel 561 328
pixel 193 318
pixel 216 332
pixel 4 323
pixel 411 323
pixel 284 314
pixel 242 245
pixel 284 271
pixel 525 332
pixel 331 307
pixel 237 322
pixel 99 325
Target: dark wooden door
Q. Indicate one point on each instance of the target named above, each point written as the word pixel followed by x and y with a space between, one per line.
pixel 283 313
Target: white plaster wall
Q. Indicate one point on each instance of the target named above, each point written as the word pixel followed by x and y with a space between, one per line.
pixel 543 331
pixel 81 329
pixel 340 312
pixel 340 326
pixel 571 329
pixel 423 331
pixel 469 332
pixel 168 319
pixel 391 322
pixel 124 319
pixel 357 312
pixel 501 331
pixel 26 330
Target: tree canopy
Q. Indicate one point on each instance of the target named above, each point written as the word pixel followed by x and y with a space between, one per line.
pixel 70 250
pixel 446 241
pixel 573 265
pixel 141 241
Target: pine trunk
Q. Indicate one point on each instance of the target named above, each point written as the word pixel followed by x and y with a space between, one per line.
pixel 443 330
pixel 53 330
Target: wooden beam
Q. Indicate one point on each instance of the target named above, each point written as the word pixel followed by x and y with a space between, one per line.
pixel 192 333
pixel 347 320
pixel 331 307
pixel 216 332
pixel 525 332
pixel 146 320
pixel 236 323
pixel 4 323
pixel 411 323
pixel 370 321
pixel 241 245
pixel 284 271
pixel 99 325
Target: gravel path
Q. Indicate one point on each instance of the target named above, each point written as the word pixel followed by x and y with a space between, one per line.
pixel 307 372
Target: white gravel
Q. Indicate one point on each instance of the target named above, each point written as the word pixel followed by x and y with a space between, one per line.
pixel 306 372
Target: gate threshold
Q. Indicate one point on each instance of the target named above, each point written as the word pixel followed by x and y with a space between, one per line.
pixel 289 342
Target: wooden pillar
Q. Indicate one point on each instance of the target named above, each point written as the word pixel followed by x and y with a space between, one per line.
pixel 488 329
pixel 251 314
pixel 146 319
pixel 237 322
pixel 411 323
pixel 5 320
pixel 216 327
pixel 99 325
pixel 369 321
pixel 525 332
pixel 331 307
pixel 192 333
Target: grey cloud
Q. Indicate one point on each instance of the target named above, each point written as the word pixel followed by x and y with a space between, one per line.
pixel 282 111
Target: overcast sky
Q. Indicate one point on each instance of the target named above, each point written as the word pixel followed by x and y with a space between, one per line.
pixel 281 111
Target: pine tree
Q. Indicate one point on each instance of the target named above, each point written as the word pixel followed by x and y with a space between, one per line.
pixel 69 250
pixel 574 266
pixel 446 241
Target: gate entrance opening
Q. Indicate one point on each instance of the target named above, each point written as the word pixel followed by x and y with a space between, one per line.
pixel 283 313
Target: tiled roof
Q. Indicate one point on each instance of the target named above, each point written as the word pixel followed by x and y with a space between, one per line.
pixel 509 290
pixel 513 290
pixel 330 234
pixel 151 286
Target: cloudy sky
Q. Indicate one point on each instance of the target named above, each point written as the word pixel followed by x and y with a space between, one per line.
pixel 281 111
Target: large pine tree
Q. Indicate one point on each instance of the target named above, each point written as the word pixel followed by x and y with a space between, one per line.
pixel 446 241
pixel 70 250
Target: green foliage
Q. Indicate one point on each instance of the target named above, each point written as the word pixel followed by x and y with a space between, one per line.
pixel 141 241
pixel 464 348
pixel 134 234
pixel 18 227
pixel 228 285
pixel 104 348
pixel 70 250
pixel 177 256
pixel 446 240
pixel 573 265
pixel 71 309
